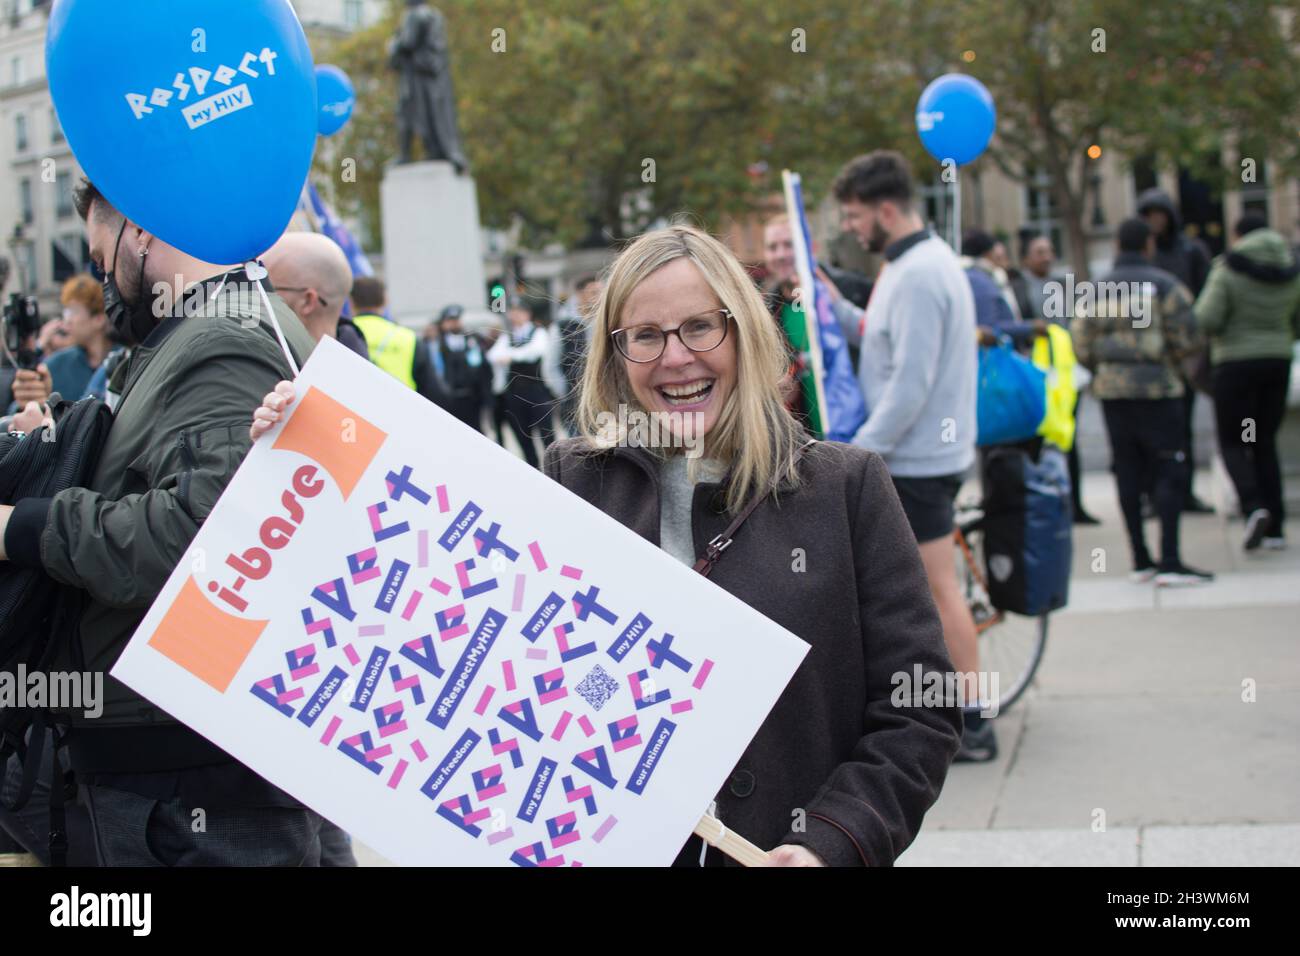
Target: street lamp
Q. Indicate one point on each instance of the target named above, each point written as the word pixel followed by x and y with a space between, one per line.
pixel 1094 181
pixel 18 242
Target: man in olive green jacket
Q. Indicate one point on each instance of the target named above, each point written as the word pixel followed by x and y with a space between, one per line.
pixel 1250 309
pixel 203 355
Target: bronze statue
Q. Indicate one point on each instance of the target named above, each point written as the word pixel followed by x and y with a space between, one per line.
pixel 426 103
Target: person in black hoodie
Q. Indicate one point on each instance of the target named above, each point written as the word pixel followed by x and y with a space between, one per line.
pixel 1189 261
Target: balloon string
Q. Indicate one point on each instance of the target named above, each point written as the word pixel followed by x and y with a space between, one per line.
pixel 279 333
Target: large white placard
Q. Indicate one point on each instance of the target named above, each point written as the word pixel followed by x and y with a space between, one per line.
pixel 446 653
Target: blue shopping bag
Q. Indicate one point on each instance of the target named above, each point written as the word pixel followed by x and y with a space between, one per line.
pixel 1012 398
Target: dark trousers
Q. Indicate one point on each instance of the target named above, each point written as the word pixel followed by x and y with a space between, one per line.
pixel 530 411
pixel 1147 451
pixel 29 828
pixel 1246 392
pixel 1072 461
pixel 499 417
pixel 1189 407
pixel 569 410
pixel 134 830
pixel 467 408
pixel 335 846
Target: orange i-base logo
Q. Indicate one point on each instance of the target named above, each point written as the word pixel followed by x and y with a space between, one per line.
pixel 206 639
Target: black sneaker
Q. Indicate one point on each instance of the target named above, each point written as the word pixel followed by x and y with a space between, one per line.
pixel 1181 576
pixel 1195 506
pixel 979 744
pixel 1256 528
pixel 1082 517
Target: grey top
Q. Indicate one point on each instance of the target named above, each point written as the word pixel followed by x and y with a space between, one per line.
pixel 918 363
pixel 677 489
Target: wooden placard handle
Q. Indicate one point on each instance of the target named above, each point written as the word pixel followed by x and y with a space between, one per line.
pixel 712 832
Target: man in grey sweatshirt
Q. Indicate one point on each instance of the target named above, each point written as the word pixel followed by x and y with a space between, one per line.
pixel 918 374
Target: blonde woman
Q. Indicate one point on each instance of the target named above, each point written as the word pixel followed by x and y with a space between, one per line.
pixel 837 774
pixel 845 767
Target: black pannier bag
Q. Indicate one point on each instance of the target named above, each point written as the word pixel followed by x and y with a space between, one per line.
pixel 1027 528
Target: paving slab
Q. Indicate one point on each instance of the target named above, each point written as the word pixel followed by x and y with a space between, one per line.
pixel 1046 847
pixel 1157 846
pixel 1210 846
pixel 1151 759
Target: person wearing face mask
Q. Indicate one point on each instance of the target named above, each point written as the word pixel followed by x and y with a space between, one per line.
pixel 467 375
pixel 839 774
pixel 201 355
pixel 529 403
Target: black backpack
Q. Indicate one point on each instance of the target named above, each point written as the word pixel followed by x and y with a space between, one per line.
pixel 38 616
pixel 1028 525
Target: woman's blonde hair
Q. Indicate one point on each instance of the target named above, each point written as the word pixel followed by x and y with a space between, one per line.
pixel 755 434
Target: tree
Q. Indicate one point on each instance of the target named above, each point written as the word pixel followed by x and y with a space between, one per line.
pixel 588 122
pixel 592 121
pixel 1169 80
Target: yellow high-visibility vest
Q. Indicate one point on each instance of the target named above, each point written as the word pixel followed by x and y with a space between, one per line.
pixel 1055 355
pixel 392 347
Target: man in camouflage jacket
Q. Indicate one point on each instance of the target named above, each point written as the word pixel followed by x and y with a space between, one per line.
pixel 1131 330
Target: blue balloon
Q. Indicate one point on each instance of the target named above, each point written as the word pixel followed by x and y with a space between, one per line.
pixel 335 98
pixel 956 118
pixel 195 118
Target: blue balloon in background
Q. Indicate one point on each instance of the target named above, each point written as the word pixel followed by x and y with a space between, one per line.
pixel 195 118
pixel 335 99
pixel 955 117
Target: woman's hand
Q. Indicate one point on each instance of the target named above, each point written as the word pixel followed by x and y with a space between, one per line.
pixel 272 408
pixel 790 855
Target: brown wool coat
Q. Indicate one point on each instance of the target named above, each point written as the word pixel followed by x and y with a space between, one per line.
pixel 863 770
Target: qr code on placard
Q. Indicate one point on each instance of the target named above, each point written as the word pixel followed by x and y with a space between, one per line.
pixel 597 687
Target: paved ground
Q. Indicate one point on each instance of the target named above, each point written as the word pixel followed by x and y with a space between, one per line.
pixel 1137 721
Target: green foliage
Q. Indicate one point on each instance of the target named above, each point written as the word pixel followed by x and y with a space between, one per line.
pixel 558 126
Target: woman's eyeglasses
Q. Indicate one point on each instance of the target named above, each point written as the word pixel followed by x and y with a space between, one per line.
pixel 699 333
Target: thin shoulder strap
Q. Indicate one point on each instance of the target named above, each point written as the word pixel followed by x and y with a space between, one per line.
pixel 723 541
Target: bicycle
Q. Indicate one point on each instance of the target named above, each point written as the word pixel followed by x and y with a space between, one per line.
pixel 1010 645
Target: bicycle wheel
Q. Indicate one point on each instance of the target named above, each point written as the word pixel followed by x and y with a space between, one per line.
pixel 1010 645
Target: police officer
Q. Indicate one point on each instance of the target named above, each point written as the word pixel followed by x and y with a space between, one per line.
pixel 394 348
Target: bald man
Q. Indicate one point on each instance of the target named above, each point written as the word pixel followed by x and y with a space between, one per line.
pixel 311 273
